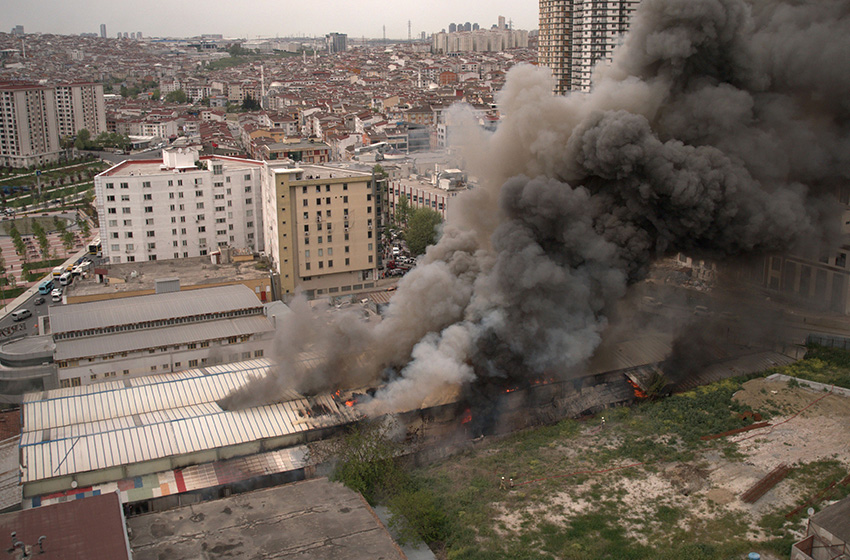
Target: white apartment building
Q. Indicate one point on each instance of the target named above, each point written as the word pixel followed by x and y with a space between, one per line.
pixel 181 206
pixel 576 34
pixel 80 106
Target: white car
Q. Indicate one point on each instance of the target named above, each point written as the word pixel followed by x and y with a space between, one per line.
pixel 56 294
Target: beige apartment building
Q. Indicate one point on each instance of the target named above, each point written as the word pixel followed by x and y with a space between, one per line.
pixel 29 133
pixel 321 228
pixel 80 106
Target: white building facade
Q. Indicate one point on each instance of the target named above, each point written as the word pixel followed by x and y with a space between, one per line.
pixel 182 206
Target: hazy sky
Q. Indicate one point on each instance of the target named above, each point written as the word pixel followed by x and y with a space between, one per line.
pixel 179 18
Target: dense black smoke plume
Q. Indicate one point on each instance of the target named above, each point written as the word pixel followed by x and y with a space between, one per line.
pixel 720 128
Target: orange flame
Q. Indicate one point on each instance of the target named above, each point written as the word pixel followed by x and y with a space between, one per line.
pixel 350 402
pixel 467 417
pixel 639 393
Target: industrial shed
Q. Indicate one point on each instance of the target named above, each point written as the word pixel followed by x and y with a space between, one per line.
pixel 110 431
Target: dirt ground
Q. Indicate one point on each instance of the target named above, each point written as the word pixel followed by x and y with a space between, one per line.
pixel 801 431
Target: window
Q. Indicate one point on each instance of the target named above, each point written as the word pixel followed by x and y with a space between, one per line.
pixel 347 261
pixel 202 229
pixel 125 186
pixel 150 233
pixel 330 264
pixel 193 363
pixel 248 189
pixel 321 264
pixel 304 201
pixel 318 201
pixel 148 209
pixel 111 211
pixel 125 210
pixel 199 193
pixel 249 201
pixel 148 196
pixel 148 221
pixel 128 234
pixel 218 169
pixel 258 353
pixel 110 198
pixel 306 266
pixel 307 254
pixel 345 199
pixel 151 245
pixel 199 206
pixel 368 197
pixel 248 177
pixel 110 185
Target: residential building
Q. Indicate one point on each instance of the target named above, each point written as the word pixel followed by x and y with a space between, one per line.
pixel 29 133
pixel 337 42
pixel 103 31
pixel 80 106
pixel 575 35
pixel 167 332
pixel 181 206
pixel 322 228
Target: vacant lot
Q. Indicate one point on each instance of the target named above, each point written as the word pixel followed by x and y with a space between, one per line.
pixel 643 484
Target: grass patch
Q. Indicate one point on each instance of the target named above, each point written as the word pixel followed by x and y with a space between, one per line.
pixel 823 365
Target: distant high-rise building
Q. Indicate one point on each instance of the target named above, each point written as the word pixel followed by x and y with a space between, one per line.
pixel 501 22
pixel 337 42
pixel 576 34
pixel 119 34
pixel 475 27
pixel 126 35
pixel 18 30
pixel 139 35
pixel 103 30
pixel 467 26
pixel 452 28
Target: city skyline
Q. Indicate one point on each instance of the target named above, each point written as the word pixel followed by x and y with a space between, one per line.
pixel 191 18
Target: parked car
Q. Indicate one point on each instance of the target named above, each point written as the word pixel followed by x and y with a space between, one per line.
pixel 39 300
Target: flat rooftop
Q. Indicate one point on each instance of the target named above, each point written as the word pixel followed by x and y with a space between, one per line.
pixel 140 276
pixel 314 519
pixel 312 172
pixel 155 166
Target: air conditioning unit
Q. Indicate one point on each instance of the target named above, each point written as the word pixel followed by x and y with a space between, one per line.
pixel 346 230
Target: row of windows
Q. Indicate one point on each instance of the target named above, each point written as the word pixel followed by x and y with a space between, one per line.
pixel 160 323
pixel 162 349
pixel 178 366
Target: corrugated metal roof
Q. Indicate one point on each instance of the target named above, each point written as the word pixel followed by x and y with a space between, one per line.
pixel 128 341
pixel 68 431
pixel 138 309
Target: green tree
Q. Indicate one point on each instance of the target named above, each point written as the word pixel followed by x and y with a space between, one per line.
pixel 205 101
pixel 156 94
pixel 367 460
pixel 402 212
pixel 250 104
pixel 422 230
pixel 177 96
pixel 83 140
pixel 68 240
pixel 124 91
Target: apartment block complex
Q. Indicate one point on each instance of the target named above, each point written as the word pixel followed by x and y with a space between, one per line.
pixel 29 129
pixel 181 206
pixel 321 228
pixel 576 34
pixel 80 106
pixel 33 118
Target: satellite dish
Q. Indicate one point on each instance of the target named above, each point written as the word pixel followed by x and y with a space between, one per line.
pixel 73 484
pixel 810 511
